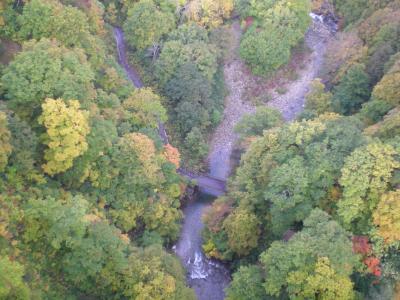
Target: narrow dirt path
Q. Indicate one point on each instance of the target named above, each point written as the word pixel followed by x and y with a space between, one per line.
pixel 238 80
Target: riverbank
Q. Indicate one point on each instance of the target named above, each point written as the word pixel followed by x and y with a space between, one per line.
pixel 239 80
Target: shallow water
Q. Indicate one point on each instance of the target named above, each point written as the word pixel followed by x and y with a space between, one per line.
pixel 207 277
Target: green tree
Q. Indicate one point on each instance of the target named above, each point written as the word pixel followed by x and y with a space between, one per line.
pixel 25 156
pixel 5 137
pixel 388 89
pixel 317 100
pixel 100 139
pixel 320 253
pixel 176 53
pixel 352 91
pixel 144 108
pixel 189 94
pixel 264 51
pixel 50 19
pixel 365 177
pixel 195 143
pixel 263 119
pixel 46 70
pixel 243 231
pixel 98 274
pixel 146 24
pixel 350 10
pixel 12 285
pixel 246 284
pixel 279 26
pixel 293 168
pixel 373 111
pixel 68 25
pixel 66 130
pixel 322 283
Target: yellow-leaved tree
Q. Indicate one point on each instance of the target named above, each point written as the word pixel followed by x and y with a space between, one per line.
pixel 66 130
pixel 387 217
pixel 209 13
pixel 143 147
pixel 5 146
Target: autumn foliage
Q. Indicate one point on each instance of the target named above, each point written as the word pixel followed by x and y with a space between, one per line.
pixel 172 155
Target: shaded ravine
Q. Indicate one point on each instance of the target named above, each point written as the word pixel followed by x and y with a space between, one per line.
pixel 210 184
pixel 207 277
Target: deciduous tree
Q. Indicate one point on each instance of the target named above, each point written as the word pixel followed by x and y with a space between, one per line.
pixel 243 231
pixel 5 145
pixel 365 178
pixel 146 24
pixel 46 70
pixel 387 217
pixel 66 130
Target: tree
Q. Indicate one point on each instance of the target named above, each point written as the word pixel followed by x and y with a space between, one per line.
pixel 322 283
pixel 194 142
pixel 352 91
pixel 243 231
pixel 103 273
pixel 100 139
pixel 209 13
pixel 264 50
pixel 45 19
pixel 320 253
pixel 350 10
pixel 146 24
pixel 388 89
pixel 12 285
pixel 317 100
pixel 373 111
pixel 246 284
pixel 279 26
pixel 365 178
pixel 46 70
pixel 5 137
pixel 172 155
pixel 175 54
pixel 293 168
pixel 66 130
pixel 144 109
pixel 189 33
pixel 25 156
pixel 254 125
pixel 388 128
pixel 68 25
pixel 189 94
pixel 386 217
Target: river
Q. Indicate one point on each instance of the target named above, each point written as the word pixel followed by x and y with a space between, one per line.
pixel 208 277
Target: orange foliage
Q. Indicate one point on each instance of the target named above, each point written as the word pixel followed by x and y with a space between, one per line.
pixel 372 264
pixel 172 155
pixel 362 246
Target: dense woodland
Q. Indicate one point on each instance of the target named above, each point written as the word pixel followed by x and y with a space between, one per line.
pixel 90 199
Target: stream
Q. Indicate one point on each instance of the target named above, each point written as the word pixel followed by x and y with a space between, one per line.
pixel 208 277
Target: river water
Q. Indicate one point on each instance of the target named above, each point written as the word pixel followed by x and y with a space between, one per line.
pixel 208 277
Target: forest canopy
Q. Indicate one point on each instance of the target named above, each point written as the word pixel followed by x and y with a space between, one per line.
pixel 91 185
